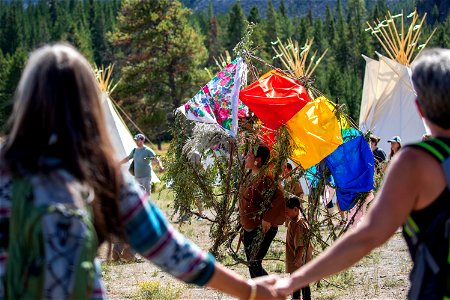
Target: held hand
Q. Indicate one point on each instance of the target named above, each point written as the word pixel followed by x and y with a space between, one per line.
pixel 265 287
pixel 265 226
pixel 283 287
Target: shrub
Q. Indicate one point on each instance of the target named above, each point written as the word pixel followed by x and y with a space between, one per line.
pixel 153 290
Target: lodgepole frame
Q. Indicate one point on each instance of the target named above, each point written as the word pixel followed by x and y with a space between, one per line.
pixel 400 44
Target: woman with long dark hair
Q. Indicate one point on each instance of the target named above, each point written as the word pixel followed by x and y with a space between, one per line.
pixel 57 167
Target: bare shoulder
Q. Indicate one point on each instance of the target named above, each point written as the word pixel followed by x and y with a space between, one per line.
pixel 421 173
pixel 420 161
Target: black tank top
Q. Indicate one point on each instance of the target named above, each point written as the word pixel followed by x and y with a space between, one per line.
pixel 433 286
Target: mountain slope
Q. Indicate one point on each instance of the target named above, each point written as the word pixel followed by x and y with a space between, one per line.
pixel 294 7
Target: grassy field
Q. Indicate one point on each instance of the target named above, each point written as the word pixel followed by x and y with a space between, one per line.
pixel 380 275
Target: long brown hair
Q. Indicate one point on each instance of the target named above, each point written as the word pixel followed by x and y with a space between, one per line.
pixel 58 117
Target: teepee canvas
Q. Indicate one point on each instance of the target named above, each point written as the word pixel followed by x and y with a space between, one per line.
pixel 121 137
pixel 388 102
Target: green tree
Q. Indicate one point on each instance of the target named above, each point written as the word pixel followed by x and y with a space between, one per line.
pixel 330 26
pixel 9 29
pixel 442 35
pixel 97 31
pixel 380 10
pixel 11 66
pixel 159 54
pixel 254 16
pixel 284 21
pixel 236 26
pixel 213 41
pixel 341 44
pixel 272 26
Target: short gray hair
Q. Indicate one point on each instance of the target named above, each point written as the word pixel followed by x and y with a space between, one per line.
pixel 431 79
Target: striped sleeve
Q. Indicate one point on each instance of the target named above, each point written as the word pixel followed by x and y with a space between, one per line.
pixel 5 213
pixel 150 234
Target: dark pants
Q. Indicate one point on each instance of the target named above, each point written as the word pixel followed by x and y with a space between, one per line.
pixel 255 255
pixel 306 291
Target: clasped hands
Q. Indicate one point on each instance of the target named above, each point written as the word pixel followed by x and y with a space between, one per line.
pixel 273 287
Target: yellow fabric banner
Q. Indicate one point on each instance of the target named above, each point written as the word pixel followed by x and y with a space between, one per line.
pixel 315 132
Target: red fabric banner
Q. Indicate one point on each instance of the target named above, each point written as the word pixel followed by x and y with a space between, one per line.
pixel 274 98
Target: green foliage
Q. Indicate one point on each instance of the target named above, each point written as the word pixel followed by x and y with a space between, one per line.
pixel 213 42
pixel 10 70
pixel 236 25
pixel 272 26
pixel 160 55
pixel 161 61
pixel 254 16
pixel 154 290
pixel 191 182
pixel 25 25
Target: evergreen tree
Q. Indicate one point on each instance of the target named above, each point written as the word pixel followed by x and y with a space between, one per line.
pixel 236 26
pixel 11 66
pixel 330 26
pixel 434 16
pixel 286 29
pixel 320 42
pixel 272 27
pixel 213 41
pixel 282 9
pixel 254 16
pixel 97 32
pixel 356 36
pixel 442 36
pixel 160 55
pixel 9 38
pixel 380 10
pixel 341 43
pixel 79 37
pixel 59 16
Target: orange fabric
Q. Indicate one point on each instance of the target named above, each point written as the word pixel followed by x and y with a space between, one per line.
pixel 315 133
pixel 274 98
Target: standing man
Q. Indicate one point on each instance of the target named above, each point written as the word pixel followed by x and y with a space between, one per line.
pixel 142 157
pixel 261 209
pixel 378 154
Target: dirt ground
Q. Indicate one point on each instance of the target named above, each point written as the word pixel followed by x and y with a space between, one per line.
pixel 381 275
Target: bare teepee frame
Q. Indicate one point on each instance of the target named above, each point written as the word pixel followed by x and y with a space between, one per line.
pixel 295 58
pixel 103 76
pixel 400 43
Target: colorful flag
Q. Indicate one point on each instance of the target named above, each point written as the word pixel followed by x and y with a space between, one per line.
pixel 218 101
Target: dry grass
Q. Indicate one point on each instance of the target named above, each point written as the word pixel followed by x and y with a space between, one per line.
pixel 381 275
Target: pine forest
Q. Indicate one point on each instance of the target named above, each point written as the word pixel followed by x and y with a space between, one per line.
pixel 163 51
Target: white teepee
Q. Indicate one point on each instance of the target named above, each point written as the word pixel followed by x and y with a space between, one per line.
pixel 388 102
pixel 121 137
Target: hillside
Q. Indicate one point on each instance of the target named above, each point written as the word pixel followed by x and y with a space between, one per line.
pixel 294 7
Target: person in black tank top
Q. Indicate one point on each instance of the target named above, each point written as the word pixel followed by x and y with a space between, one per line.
pixel 414 193
pixel 430 223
